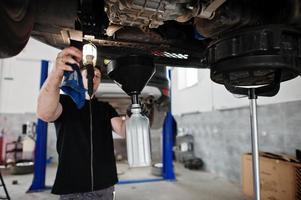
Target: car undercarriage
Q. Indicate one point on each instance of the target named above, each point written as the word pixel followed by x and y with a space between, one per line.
pixel 174 32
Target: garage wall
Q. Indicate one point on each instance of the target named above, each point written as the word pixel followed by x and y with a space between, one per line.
pixel 20 78
pixel 19 85
pixel 19 88
pixel 208 96
pixel 221 125
pixel 11 128
pixel 222 136
pixel 196 98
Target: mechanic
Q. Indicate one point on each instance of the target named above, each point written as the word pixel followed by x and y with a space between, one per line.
pixel 74 175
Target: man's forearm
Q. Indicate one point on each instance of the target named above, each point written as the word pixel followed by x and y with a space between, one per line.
pixel 48 100
pixel 118 126
pixel 123 128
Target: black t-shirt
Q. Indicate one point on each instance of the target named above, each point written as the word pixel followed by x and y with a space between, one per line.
pixel 73 147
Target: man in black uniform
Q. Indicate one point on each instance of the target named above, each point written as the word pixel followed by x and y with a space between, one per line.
pixel 86 168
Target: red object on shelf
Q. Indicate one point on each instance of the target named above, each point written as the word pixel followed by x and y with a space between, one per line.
pixel 1 150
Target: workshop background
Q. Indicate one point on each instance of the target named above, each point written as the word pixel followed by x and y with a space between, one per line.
pixel 218 121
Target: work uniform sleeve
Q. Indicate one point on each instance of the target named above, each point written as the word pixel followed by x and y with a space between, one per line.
pixel 111 112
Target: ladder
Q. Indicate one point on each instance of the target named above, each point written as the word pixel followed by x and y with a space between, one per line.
pixel 2 184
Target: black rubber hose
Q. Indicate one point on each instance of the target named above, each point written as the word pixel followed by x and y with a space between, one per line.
pixel 90 76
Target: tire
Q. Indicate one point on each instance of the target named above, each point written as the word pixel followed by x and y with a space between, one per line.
pixel 157 169
pixel 22 168
pixel 16 22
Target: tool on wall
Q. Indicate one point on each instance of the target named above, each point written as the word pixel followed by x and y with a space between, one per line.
pixel 132 73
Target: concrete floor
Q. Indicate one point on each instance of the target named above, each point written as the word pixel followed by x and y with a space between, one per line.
pixel 190 185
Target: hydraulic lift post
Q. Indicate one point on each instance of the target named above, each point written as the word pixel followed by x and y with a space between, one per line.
pixel 255 143
pixel 38 182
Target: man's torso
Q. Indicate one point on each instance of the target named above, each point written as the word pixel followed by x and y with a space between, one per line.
pixel 74 148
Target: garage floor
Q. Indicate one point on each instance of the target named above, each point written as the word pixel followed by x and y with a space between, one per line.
pixel 190 185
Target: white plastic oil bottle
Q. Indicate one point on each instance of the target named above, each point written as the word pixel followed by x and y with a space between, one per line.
pixel 138 138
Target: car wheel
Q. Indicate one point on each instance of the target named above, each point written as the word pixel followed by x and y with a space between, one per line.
pixel 16 22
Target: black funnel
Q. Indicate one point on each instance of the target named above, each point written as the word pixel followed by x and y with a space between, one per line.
pixel 132 72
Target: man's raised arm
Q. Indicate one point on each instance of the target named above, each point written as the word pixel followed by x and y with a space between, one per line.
pixel 49 107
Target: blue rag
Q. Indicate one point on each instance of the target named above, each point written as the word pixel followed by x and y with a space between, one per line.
pixel 73 86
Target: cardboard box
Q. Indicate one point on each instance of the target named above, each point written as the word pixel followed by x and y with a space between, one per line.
pixel 280 177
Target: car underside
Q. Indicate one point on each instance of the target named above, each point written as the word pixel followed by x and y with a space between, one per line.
pixel 175 32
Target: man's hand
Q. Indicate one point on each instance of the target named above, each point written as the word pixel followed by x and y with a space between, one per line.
pixel 69 55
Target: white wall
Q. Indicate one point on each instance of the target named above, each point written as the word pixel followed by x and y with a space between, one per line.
pixel 195 98
pixel 20 77
pixel 207 95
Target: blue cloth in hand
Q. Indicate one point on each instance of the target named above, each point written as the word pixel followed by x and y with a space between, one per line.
pixel 73 86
